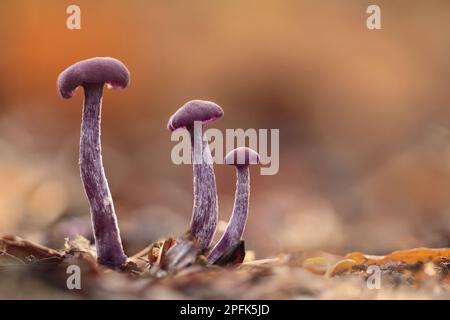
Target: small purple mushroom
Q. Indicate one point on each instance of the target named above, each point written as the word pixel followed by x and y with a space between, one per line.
pixel 92 74
pixel 241 158
pixel 205 210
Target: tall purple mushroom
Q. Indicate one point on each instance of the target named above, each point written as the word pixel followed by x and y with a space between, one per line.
pixel 241 158
pixel 92 74
pixel 205 210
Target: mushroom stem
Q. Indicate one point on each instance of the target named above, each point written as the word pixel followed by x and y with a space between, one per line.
pixel 192 116
pixel 236 225
pixel 106 230
pixel 205 210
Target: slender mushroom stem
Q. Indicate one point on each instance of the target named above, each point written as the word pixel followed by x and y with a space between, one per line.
pixel 193 116
pixel 106 230
pixel 205 210
pixel 238 220
pixel 92 74
pixel 241 158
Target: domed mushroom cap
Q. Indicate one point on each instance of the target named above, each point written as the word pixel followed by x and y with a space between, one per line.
pixel 242 157
pixel 93 71
pixel 194 110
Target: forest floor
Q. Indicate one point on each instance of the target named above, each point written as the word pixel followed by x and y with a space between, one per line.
pixel 29 270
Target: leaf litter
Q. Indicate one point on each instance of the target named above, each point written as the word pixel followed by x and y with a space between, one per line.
pixel 176 269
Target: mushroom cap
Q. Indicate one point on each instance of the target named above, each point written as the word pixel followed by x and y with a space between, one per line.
pixel 93 71
pixel 242 157
pixel 194 110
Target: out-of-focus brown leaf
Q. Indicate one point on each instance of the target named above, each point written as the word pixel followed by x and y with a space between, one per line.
pixel 156 252
pixel 357 260
pixel 28 251
pixel 166 246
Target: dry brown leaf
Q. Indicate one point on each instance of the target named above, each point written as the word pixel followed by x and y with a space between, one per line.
pixel 358 260
pixel 28 251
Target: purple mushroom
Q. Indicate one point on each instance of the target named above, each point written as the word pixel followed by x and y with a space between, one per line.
pixel 92 74
pixel 241 158
pixel 205 211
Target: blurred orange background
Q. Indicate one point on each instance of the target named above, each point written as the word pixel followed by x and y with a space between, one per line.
pixel 364 118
